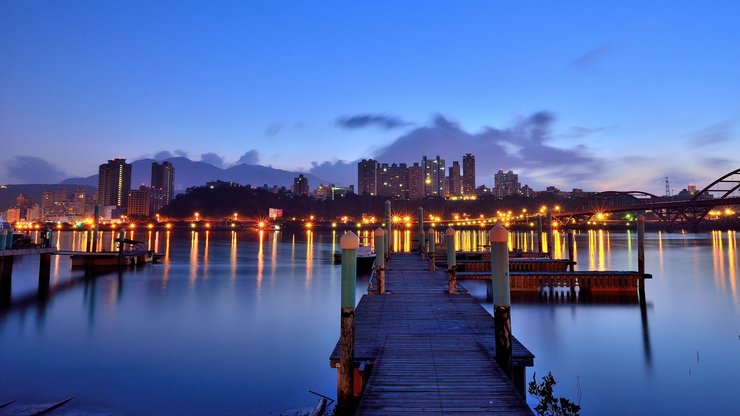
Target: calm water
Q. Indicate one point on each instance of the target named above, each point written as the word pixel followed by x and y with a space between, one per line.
pixel 243 323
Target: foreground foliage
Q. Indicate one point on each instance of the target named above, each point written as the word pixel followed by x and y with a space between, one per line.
pixel 548 404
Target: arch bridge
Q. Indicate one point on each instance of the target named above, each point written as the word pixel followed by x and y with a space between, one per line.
pixel 723 192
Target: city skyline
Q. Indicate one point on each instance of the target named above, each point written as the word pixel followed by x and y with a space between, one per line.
pixel 598 97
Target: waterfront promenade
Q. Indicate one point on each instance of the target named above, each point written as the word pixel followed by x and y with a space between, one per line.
pixel 419 350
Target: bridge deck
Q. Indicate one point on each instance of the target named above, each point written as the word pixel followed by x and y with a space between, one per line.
pixel 431 352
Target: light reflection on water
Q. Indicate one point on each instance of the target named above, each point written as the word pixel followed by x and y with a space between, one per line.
pixel 203 332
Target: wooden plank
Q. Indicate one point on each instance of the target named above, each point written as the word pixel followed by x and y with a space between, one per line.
pixel 432 352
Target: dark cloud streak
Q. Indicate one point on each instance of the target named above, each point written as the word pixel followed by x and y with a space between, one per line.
pixel 368 120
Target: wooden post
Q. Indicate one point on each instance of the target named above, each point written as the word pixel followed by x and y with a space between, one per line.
pixel 499 237
pixel 420 228
pixel 44 274
pixel 388 227
pixel 380 259
pixel 451 261
pixel 572 249
pixel 641 253
pixel 539 234
pixel 96 224
pixel 345 386
pixel 550 237
pixel 430 248
pixel 121 235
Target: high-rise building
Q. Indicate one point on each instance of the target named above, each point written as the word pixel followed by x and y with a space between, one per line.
pixel 139 202
pixel 114 182
pixel 368 177
pixel 505 184
pixel 300 185
pixel 162 184
pixel 394 180
pixel 415 181
pixel 468 179
pixel 455 180
pixel 434 176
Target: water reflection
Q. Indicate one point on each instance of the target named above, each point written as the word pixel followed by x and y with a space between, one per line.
pixel 260 258
pixel 309 257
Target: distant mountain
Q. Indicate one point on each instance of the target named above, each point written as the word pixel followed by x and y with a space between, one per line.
pixel 193 173
pixel 8 193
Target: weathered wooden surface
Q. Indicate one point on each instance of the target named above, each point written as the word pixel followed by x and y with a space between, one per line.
pixel 595 281
pixel 431 352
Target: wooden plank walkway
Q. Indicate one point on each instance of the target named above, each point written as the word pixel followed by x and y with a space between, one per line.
pixel 429 352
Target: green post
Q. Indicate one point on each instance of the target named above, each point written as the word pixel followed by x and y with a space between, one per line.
pixel 420 228
pixel 499 237
pixel 345 386
pixel 380 259
pixel 451 261
pixel 389 230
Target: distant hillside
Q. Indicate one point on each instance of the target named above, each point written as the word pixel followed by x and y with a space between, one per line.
pixel 8 193
pixel 190 173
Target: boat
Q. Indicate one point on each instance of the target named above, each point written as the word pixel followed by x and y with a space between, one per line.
pixel 365 258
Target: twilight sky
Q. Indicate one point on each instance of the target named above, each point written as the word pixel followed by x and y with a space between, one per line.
pixel 572 94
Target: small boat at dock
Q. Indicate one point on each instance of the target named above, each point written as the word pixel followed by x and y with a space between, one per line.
pixel 137 255
pixel 365 258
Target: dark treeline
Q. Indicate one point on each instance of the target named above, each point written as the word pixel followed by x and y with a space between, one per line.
pixel 224 201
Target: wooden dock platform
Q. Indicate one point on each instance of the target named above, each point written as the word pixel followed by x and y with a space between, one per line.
pixel 420 350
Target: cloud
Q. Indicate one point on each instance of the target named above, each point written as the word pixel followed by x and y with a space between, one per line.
pixel 251 157
pixel 213 159
pixel 714 134
pixel 577 132
pixel 522 147
pixel 337 172
pixel 592 60
pixel 166 154
pixel 273 129
pixel 31 169
pixel 367 120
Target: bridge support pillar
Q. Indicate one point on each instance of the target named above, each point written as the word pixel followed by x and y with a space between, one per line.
pixel 572 250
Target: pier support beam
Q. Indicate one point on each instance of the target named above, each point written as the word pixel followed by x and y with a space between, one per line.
pixel 499 237
pixel 539 235
pixel 388 228
pixel 44 274
pixel 420 229
pixel 345 383
pixel 641 253
pixel 430 248
pixel 6 280
pixel 380 259
pixel 96 225
pixel 550 236
pixel 451 261
pixel 572 249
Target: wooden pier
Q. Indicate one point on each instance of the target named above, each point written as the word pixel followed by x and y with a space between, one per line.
pixel 420 350
pixel 533 274
pixel 6 270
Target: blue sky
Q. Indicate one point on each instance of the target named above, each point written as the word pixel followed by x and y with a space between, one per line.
pixel 578 94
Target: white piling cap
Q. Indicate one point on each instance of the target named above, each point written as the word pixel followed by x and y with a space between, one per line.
pixel 379 232
pixel 349 241
pixel 450 231
pixel 430 231
pixel 499 234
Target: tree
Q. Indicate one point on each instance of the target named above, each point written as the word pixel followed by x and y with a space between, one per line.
pixel 548 404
